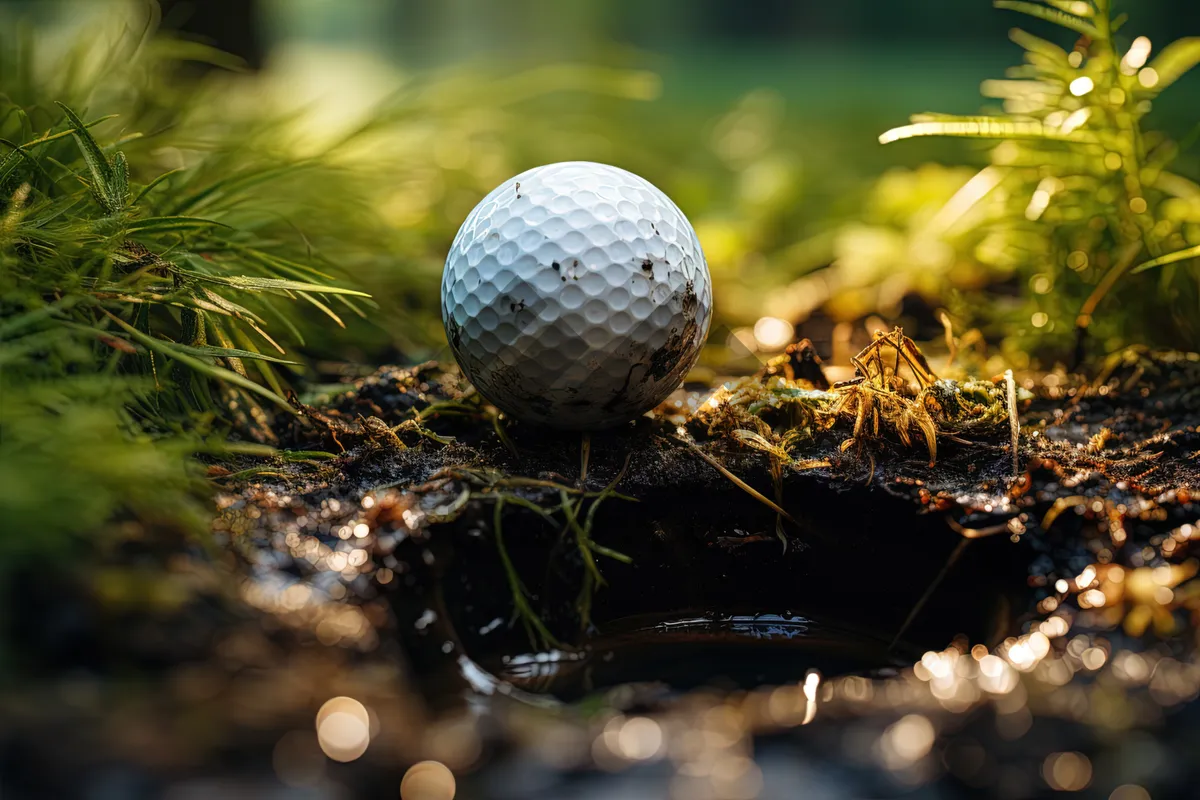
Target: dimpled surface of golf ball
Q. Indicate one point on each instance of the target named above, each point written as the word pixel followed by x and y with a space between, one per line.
pixel 576 295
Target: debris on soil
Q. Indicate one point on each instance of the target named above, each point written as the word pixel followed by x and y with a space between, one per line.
pixel 468 539
pixel 415 544
pixel 455 478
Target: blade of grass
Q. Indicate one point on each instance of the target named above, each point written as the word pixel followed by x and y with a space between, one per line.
pixel 239 181
pixel 230 307
pixel 1054 15
pixel 1014 423
pixel 323 308
pixel 353 306
pixel 212 371
pixel 1169 258
pixel 107 181
pixel 169 224
pixel 43 139
pixel 738 482
pixel 255 283
pixel 984 128
pixel 230 352
pixel 589 521
pixel 154 184
pixel 528 616
pixel 581 537
pixel 284 265
pixel 261 364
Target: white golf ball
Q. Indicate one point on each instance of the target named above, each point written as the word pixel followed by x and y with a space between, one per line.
pixel 576 295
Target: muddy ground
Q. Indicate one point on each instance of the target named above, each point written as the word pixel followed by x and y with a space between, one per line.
pixel 948 630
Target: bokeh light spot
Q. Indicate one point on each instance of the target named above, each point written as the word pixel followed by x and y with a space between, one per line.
pixel 1067 772
pixel 428 780
pixel 343 728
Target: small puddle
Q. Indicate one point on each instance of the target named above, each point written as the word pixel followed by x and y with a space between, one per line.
pixel 835 613
pixel 688 651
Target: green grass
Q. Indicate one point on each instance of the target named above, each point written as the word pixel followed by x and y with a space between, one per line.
pixel 145 309
pixel 176 252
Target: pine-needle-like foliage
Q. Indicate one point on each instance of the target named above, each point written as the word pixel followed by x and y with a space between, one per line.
pixel 1079 196
pixel 111 262
pixel 142 306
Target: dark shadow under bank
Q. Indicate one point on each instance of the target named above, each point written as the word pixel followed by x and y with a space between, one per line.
pixel 698 606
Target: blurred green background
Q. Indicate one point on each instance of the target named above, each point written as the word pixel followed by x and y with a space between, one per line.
pixel 760 120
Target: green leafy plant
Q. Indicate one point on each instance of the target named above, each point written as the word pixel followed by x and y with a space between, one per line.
pixel 177 275
pixel 85 475
pixel 1079 195
pixel 145 309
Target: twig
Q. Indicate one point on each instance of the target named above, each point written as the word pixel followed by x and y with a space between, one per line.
pixel 741 484
pixel 585 454
pixel 951 342
pixel 912 615
pixel 1014 424
pixel 976 533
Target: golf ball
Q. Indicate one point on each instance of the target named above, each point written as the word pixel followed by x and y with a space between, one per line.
pixel 576 295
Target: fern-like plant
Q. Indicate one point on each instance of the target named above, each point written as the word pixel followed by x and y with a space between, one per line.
pixel 1079 197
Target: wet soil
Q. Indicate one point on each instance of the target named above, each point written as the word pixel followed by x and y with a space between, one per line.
pixel 376 574
pixel 871 533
